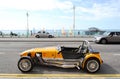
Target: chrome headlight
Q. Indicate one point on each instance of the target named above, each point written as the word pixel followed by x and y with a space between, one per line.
pixel 38 55
pixel 98 38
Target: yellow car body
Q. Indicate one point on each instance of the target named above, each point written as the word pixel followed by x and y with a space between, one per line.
pixel 66 57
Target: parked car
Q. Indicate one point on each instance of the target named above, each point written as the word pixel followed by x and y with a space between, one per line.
pixel 108 37
pixel 82 57
pixel 43 34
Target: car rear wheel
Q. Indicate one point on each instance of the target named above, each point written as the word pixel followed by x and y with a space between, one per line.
pixel 103 41
pixel 50 36
pixel 25 65
pixel 92 66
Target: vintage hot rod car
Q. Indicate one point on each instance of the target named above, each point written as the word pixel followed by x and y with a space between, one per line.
pixel 82 57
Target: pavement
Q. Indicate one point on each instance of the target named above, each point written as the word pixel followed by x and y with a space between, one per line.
pixel 80 39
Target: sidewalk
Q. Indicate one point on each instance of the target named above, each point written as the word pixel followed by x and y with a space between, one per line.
pixel 80 39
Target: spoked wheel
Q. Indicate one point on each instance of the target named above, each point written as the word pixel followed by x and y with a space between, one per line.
pixel 25 65
pixel 92 66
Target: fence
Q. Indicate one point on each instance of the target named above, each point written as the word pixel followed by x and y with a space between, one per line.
pixel 56 33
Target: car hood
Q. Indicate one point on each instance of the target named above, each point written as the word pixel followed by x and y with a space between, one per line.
pixel 100 36
pixel 37 50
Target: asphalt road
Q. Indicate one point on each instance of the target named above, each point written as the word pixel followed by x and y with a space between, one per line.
pixel 9 56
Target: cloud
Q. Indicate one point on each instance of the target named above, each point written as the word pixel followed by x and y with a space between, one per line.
pixel 27 4
pixel 109 8
pixel 106 10
pixel 94 10
pixel 64 5
pixel 34 4
pixel 100 10
pixel 85 10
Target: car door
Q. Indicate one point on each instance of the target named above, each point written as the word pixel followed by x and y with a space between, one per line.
pixel 40 33
pixel 117 36
pixel 49 56
pixel 111 37
pixel 44 34
pixel 58 58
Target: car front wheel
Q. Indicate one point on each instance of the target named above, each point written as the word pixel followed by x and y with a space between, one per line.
pixel 103 41
pixel 37 36
pixel 92 66
pixel 25 65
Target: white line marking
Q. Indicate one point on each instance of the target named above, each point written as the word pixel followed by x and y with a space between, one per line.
pixel 116 54
pixel 1 53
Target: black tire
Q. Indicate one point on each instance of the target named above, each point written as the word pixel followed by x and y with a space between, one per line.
pixel 50 36
pixel 37 36
pixel 25 64
pixel 103 41
pixel 92 66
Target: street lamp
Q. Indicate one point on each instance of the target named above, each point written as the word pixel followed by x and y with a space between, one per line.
pixel 27 24
pixel 74 20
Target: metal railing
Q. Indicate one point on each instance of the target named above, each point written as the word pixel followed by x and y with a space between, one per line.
pixel 57 33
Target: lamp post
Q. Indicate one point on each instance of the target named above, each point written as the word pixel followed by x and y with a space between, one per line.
pixel 74 20
pixel 27 24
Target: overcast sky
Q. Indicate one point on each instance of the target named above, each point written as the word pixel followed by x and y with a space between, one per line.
pixel 58 14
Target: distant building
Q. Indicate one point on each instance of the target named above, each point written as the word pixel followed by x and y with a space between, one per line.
pixel 94 31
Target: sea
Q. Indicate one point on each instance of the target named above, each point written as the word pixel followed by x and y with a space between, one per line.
pixel 57 32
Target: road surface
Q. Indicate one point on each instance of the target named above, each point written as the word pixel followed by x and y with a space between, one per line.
pixel 9 56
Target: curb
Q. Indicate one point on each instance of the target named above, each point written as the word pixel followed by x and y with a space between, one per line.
pixel 45 40
pixel 59 75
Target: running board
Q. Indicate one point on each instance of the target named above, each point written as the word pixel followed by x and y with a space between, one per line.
pixel 58 65
pixel 63 65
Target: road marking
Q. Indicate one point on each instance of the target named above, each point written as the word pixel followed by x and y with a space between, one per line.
pixel 60 75
pixel 116 54
pixel 2 53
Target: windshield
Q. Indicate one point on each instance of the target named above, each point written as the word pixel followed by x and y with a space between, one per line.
pixel 106 33
pixel 87 45
pixel 59 48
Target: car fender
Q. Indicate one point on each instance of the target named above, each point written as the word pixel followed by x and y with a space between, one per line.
pixel 103 38
pixel 28 57
pixel 91 56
